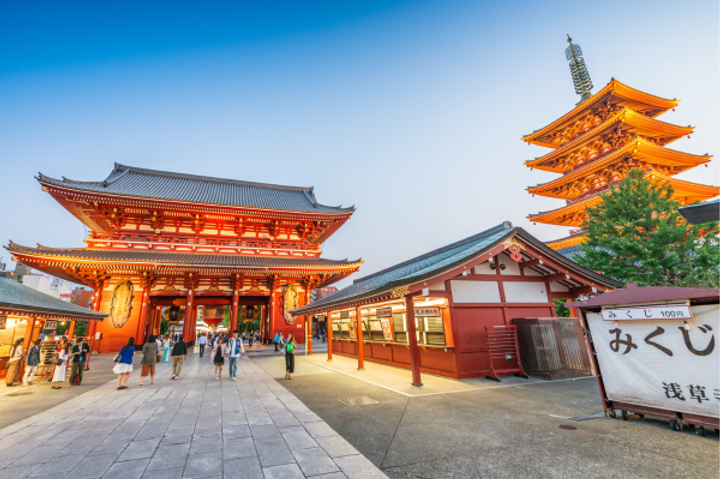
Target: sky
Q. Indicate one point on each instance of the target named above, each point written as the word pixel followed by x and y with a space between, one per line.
pixel 413 111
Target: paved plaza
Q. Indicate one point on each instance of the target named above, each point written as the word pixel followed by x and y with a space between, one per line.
pixel 195 427
pixel 478 428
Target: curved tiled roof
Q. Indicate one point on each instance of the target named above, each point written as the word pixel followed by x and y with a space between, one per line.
pixel 128 181
pixel 18 297
pixel 173 258
pixel 436 262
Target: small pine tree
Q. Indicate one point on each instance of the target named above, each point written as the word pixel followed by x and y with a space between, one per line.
pixel 636 235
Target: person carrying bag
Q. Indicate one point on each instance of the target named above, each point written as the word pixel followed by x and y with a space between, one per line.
pixel 290 346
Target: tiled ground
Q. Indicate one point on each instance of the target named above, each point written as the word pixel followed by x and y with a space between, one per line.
pixel 192 428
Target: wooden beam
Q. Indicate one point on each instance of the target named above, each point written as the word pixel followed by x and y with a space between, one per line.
pixel 556 277
pixel 531 263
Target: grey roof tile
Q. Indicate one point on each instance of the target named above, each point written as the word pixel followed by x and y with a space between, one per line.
pixel 181 258
pixel 16 296
pixel 162 185
pixel 438 261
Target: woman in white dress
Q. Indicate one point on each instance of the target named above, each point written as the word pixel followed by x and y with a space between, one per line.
pixel 60 366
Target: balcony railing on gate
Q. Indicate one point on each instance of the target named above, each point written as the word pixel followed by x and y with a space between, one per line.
pixel 553 347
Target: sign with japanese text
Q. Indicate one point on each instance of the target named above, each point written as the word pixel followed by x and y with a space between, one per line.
pixel 662 363
pixel 3 321
pixel 422 312
pixel 50 325
pixel 643 313
pixel 387 330
pixel 383 312
pixel 344 314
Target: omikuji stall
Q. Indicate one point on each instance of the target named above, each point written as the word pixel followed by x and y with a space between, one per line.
pixel 655 352
pixel 450 312
pixel 25 313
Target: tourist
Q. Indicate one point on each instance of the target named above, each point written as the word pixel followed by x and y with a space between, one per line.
pixel 218 354
pixel 32 362
pixel 166 349
pixel 60 360
pixel 235 347
pixel 202 342
pixel 14 363
pixel 124 366
pixel 79 353
pixel 281 341
pixel 179 353
pixel 159 342
pixel 290 346
pixel 276 341
pixel 150 357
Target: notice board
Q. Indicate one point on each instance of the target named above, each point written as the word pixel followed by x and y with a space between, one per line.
pixel 671 364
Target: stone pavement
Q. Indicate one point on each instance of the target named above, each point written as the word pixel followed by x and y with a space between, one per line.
pixel 192 428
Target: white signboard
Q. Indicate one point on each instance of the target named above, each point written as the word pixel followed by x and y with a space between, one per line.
pixel 383 312
pixel 422 312
pixel 50 325
pixel 643 313
pixel 662 363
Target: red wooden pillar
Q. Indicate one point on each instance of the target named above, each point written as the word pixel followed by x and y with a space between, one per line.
pixel 412 340
pixel 71 331
pixel 142 320
pixel 189 322
pixel 234 308
pixel 29 330
pixel 271 315
pixel 308 333
pixel 329 335
pixel 92 325
pixel 361 356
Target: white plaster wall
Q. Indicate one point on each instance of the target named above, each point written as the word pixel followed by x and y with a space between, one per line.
pixel 556 287
pixel 511 267
pixel 475 291
pixel 484 268
pixel 522 292
pixel 438 286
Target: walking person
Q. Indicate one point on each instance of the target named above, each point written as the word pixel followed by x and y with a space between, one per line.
pixel 79 352
pixel 218 354
pixel 276 341
pixel 150 357
pixel 124 366
pixel 290 346
pixel 60 366
pixel 202 342
pixel 159 342
pixel 32 362
pixel 235 347
pixel 166 349
pixel 14 363
pixel 179 353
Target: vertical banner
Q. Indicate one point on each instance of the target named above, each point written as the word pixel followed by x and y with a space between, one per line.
pixel 668 364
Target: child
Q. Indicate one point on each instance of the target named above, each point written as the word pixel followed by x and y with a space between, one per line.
pixel 218 354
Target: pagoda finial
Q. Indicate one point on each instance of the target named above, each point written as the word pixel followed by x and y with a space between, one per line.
pixel 580 75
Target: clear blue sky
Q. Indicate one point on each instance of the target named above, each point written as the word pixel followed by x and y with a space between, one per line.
pixel 412 111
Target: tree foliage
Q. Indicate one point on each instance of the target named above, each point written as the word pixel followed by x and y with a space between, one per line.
pixel 636 235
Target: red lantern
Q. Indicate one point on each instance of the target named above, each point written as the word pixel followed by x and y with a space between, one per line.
pixel 213 315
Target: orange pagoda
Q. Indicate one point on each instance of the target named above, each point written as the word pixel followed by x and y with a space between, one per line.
pixel 606 135
pixel 186 248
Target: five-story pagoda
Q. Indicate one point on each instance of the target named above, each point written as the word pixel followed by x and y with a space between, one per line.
pixel 163 244
pixel 605 136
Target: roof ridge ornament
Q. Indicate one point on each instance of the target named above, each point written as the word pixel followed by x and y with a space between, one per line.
pixel 578 69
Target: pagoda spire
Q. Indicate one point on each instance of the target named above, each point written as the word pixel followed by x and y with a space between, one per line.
pixel 578 69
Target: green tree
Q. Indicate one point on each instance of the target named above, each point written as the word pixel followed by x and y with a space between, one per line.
pixel 636 235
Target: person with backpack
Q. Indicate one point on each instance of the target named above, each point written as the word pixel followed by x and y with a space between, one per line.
pixel 276 341
pixel 32 362
pixel 290 346
pixel 179 353
pixel 124 365
pixel 218 354
pixel 235 347
pixel 60 360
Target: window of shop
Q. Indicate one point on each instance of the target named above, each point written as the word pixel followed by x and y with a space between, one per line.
pixel 376 330
pixel 399 328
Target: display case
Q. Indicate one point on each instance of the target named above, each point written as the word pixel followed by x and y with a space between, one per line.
pixel 399 328
pixel 375 329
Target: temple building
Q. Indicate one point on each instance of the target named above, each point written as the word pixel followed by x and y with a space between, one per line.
pixel 170 246
pixel 605 136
